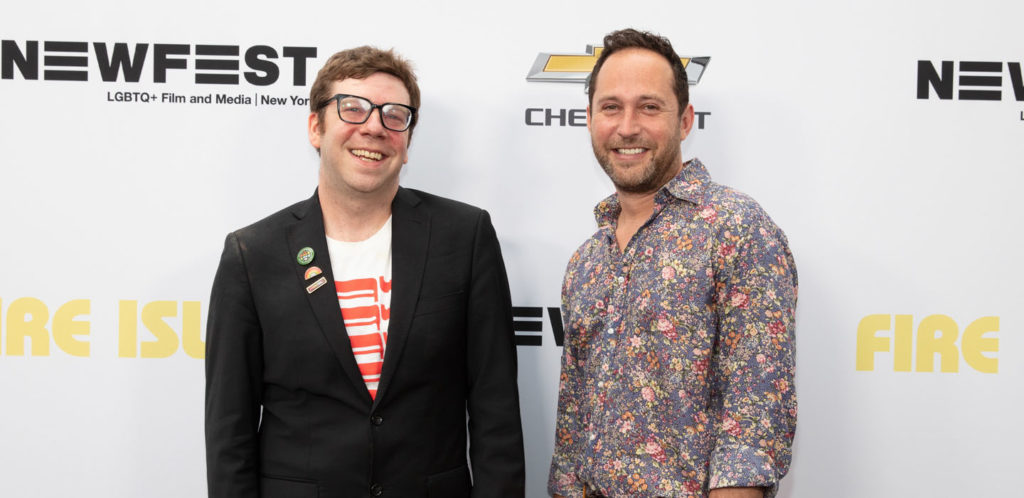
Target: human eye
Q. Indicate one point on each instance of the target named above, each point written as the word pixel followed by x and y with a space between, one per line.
pixel 351 106
pixel 396 116
pixel 396 112
pixel 650 108
pixel 610 107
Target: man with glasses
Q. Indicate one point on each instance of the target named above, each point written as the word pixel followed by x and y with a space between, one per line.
pixel 677 368
pixel 354 336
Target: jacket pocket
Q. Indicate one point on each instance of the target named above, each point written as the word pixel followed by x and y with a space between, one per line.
pixel 287 487
pixel 449 484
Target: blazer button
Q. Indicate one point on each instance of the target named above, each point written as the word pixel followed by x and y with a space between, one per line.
pixel 376 420
pixel 377 490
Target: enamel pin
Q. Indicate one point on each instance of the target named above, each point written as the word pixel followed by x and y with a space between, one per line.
pixel 316 285
pixel 313 271
pixel 305 256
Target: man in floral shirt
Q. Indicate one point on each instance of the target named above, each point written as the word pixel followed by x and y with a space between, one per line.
pixel 677 371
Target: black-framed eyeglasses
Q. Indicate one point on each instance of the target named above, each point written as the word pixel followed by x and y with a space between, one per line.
pixel 356 110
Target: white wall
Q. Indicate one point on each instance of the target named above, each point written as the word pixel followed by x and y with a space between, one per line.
pixel 893 205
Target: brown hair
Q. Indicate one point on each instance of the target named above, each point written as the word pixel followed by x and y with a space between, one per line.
pixel 631 38
pixel 359 63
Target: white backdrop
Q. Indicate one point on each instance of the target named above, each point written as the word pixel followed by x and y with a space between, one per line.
pixel 894 205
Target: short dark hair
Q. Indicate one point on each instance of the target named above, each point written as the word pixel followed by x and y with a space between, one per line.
pixel 631 38
pixel 359 63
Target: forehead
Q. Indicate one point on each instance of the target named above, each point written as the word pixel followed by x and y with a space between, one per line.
pixel 378 87
pixel 634 73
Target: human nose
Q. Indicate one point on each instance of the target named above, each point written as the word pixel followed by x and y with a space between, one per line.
pixel 629 123
pixel 374 125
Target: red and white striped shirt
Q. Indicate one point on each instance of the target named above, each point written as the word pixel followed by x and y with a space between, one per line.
pixel 362 279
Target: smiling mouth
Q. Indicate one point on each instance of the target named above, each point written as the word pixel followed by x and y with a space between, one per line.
pixel 367 154
pixel 632 151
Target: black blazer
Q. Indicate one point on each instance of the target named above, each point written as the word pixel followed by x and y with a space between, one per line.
pixel 287 412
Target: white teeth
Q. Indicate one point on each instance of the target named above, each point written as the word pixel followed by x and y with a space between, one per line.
pixel 376 156
pixel 630 152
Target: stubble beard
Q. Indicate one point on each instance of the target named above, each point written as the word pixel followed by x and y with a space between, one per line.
pixel 344 180
pixel 641 178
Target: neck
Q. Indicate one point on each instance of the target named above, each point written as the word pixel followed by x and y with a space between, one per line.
pixel 636 205
pixel 640 205
pixel 353 218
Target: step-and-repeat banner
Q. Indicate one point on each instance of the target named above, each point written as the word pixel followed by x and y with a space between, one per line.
pixel 885 138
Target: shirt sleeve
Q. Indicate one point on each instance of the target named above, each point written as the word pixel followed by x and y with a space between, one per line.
pixel 753 396
pixel 234 366
pixel 495 429
pixel 563 479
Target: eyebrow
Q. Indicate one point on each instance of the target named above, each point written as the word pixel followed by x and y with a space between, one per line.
pixel 652 97
pixel 641 98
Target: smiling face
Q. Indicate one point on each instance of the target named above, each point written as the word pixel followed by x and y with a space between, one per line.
pixel 361 160
pixel 635 122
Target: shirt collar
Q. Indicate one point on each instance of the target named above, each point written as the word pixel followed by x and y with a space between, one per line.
pixel 688 185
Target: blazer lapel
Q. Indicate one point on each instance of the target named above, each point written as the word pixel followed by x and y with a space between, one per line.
pixel 410 234
pixel 309 232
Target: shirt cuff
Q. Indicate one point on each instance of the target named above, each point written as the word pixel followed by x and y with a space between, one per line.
pixel 743 466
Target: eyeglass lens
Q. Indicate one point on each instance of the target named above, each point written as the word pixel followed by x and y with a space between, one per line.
pixel 357 110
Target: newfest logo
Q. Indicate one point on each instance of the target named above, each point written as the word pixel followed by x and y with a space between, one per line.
pixel 123 63
pixel 936 337
pixel 970 80
pixel 528 323
pixel 576 68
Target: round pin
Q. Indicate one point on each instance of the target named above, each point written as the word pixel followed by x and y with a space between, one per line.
pixel 305 256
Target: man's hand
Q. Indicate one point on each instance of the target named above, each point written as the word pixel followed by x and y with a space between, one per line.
pixel 736 493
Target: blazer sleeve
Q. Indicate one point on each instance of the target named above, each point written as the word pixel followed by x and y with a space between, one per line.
pixel 495 428
pixel 234 365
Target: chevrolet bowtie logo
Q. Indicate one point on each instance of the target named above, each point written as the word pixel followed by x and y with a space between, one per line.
pixel 575 68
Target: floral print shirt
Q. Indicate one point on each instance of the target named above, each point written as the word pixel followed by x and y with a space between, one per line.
pixel 677 367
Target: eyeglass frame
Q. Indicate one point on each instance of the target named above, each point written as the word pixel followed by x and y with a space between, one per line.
pixel 337 98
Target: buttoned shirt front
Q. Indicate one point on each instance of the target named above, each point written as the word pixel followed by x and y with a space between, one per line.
pixel 677 368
